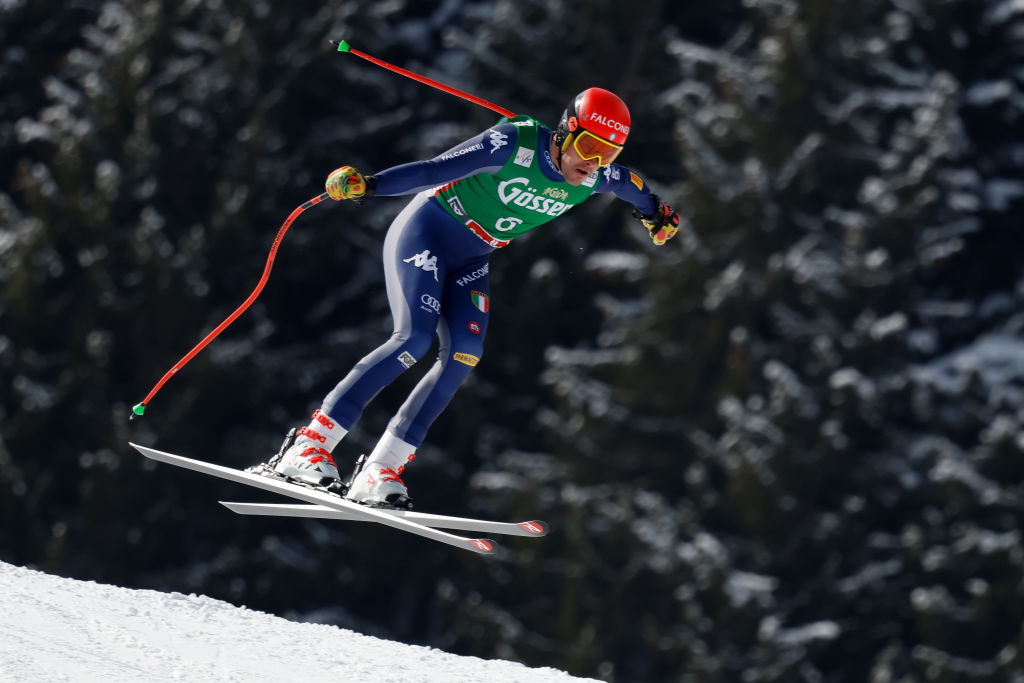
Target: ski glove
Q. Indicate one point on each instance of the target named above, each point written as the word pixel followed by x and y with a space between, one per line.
pixel 663 224
pixel 348 183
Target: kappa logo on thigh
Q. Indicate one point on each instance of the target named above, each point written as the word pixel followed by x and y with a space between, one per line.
pixel 425 261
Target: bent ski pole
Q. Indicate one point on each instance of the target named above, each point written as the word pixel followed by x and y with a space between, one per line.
pixel 343 46
pixel 141 407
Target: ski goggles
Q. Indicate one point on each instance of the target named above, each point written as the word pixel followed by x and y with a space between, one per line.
pixel 589 146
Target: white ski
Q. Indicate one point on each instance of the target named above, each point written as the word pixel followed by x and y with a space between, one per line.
pixel 478 545
pixel 533 528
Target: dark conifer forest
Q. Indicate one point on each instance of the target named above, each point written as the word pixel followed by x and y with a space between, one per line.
pixel 786 446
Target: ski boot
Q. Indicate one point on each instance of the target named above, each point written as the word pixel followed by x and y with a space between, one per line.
pixel 376 479
pixel 305 455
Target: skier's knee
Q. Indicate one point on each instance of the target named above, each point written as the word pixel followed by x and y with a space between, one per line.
pixel 417 345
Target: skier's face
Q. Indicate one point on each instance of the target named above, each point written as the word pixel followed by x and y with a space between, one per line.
pixel 575 169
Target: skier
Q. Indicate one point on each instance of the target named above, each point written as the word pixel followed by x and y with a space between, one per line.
pixel 475 198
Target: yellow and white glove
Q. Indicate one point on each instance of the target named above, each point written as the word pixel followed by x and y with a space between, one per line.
pixel 663 224
pixel 348 183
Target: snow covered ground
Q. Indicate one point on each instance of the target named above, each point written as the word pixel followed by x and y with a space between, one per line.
pixel 56 629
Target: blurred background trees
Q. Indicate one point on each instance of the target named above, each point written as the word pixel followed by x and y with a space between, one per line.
pixel 786 446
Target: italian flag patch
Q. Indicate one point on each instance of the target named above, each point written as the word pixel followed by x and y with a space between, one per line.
pixel 480 300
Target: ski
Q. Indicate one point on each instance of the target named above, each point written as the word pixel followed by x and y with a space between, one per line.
pixel 534 528
pixel 478 545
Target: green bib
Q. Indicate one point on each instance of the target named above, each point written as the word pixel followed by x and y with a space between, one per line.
pixel 518 197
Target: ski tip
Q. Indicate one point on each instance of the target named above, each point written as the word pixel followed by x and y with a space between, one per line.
pixel 484 546
pixel 152 453
pixel 141 449
pixel 535 527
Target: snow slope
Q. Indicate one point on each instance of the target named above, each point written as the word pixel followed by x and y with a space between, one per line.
pixel 56 629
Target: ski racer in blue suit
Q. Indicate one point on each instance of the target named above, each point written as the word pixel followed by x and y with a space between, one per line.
pixel 469 201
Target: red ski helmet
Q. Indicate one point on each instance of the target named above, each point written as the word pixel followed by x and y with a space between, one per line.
pixel 601 113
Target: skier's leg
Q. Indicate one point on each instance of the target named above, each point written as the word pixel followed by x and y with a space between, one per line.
pixel 464 305
pixel 461 330
pixel 413 272
pixel 414 269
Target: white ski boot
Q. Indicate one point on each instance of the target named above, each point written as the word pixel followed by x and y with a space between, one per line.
pixel 377 481
pixel 308 456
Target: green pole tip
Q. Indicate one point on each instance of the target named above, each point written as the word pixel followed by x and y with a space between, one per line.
pixel 342 46
pixel 139 409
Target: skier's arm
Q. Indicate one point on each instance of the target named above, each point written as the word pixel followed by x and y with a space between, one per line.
pixel 483 153
pixel 657 216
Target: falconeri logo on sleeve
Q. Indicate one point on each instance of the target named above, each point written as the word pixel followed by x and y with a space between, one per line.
pixel 464 150
pixel 467 358
pixel 480 300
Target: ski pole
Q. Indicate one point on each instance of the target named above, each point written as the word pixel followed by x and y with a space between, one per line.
pixel 140 409
pixel 343 46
